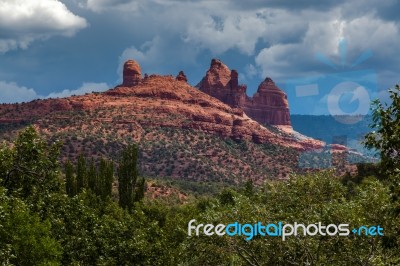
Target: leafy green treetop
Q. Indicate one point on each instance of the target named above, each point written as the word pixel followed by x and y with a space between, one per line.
pixel 30 168
pixel 386 137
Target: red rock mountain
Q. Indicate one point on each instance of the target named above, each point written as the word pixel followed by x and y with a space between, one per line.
pixel 182 131
pixel 268 105
pixel 172 102
pixel 200 111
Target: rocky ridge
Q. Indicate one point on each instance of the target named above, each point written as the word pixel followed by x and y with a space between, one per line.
pixel 172 102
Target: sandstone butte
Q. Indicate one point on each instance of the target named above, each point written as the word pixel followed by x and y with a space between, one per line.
pixel 170 101
pixel 269 105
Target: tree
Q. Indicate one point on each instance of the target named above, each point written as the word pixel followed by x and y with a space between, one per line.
pixel 70 180
pixel 81 175
pixel 106 178
pixel 386 137
pixel 386 140
pixel 30 168
pixel 130 187
pixel 24 238
pixel 92 177
pixel 98 179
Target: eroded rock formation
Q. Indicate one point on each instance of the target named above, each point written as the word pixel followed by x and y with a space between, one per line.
pixel 132 74
pixel 268 105
pixel 181 76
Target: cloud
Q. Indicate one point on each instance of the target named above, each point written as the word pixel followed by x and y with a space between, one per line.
pixel 148 51
pixel 297 5
pixel 10 92
pixel 24 21
pixel 250 71
pixel 100 6
pixel 87 87
pixel 227 29
pixel 276 38
pixel 159 55
pixel 221 34
pixel 324 33
pixel 217 26
pixel 149 54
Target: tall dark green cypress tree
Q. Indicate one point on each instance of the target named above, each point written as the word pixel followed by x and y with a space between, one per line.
pixel 109 179
pixel 128 182
pixel 70 180
pixel 106 178
pixel 140 189
pixel 81 175
pixel 92 177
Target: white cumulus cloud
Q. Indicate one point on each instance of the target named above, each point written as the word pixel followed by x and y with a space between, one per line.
pixel 11 92
pixel 150 53
pixel 87 87
pixel 221 34
pixel 24 21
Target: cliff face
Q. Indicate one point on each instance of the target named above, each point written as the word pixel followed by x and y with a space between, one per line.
pixel 268 105
pixel 222 83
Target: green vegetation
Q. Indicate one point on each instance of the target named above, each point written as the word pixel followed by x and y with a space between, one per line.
pixel 173 153
pixel 71 217
pixel 88 229
pixel 386 138
pixel 87 176
pixel 130 187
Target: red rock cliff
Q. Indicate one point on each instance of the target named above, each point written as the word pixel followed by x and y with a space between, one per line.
pixel 268 105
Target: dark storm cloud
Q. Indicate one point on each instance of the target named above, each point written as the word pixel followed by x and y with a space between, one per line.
pixel 291 5
pixel 386 10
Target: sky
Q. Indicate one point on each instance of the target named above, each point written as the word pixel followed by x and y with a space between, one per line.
pixel 329 56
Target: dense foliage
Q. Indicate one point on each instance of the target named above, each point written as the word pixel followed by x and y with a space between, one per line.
pixel 88 229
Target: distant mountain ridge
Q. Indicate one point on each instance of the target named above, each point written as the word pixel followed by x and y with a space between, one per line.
pixel 331 130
